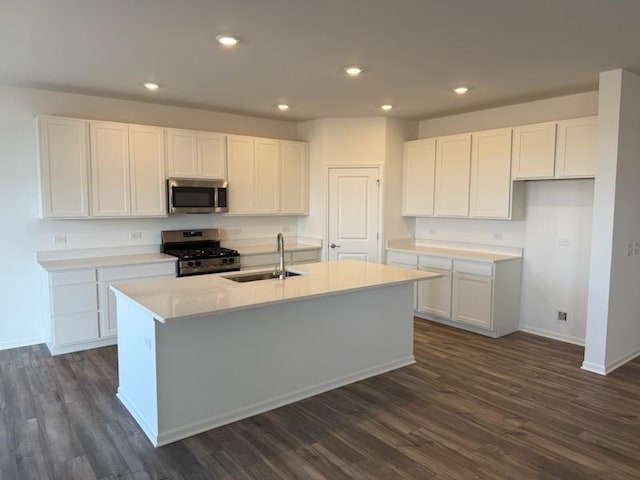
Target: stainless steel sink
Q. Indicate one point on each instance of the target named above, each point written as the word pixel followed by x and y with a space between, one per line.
pixel 254 277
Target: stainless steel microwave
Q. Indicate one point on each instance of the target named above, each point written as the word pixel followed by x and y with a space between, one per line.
pixel 188 195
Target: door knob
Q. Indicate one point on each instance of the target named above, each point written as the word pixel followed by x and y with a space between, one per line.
pixel 333 245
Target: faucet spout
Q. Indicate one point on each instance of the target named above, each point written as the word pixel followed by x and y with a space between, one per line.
pixel 279 270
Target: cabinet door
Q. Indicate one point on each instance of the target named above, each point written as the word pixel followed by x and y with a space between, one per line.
pixel 64 167
pixel 146 157
pixel 267 177
pixel 110 196
pixel 490 194
pixel 294 190
pixel 576 147
pixel 472 299
pixel 419 177
pixel 212 155
pixel 181 153
pixel 241 174
pixel 453 164
pixel 534 150
pixel 434 296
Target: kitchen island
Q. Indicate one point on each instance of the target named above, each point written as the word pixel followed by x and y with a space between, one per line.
pixel 198 352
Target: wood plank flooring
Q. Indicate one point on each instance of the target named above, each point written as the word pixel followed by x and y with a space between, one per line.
pixel 471 407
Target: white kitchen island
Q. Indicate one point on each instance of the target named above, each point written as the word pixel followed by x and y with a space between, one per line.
pixel 198 352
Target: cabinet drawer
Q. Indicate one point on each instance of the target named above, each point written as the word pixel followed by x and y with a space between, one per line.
pixel 66 299
pixel 402 259
pixel 73 276
pixel 305 256
pixel 78 327
pixel 136 271
pixel 427 261
pixel 474 268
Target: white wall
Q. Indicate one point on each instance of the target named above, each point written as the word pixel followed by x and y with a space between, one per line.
pixel 555 210
pixel 335 142
pixel 22 233
pixel 613 323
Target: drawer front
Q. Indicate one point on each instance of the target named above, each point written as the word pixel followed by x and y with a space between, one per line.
pixel 126 272
pixel 77 327
pixel 402 259
pixel 428 261
pixel 305 256
pixel 474 268
pixel 68 299
pixel 73 276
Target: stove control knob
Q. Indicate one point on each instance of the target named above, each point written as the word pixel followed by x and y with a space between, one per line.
pixel 198 263
pixel 190 264
pixel 232 260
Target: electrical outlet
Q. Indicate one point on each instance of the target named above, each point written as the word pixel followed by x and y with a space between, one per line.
pixel 564 242
pixel 629 249
pixel 497 236
pixel 562 316
pixel 636 248
pixel 147 342
pixel 60 239
pixel 135 236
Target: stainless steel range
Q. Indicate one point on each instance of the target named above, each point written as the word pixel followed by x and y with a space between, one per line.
pixel 199 251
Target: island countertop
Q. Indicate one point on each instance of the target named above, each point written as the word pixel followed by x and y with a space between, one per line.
pixel 171 299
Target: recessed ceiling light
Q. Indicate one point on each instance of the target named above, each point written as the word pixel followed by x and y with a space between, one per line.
pixel 226 40
pixel 386 107
pixel 461 90
pixel 151 86
pixel 283 107
pixel 353 71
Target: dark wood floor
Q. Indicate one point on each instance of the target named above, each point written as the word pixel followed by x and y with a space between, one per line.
pixel 513 408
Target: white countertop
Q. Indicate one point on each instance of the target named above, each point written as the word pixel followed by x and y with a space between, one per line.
pixel 410 246
pixel 107 261
pixel 187 297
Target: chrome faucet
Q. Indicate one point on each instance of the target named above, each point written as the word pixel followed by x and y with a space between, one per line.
pixel 279 271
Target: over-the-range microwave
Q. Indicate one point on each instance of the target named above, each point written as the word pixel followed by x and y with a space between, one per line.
pixel 188 195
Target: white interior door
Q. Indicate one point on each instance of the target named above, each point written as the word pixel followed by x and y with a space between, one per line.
pixel 354 213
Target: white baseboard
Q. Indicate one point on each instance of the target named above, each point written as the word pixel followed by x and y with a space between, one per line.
pixel 194 428
pixel 25 342
pixel 553 335
pixel 593 368
pixel 79 346
pixel 151 433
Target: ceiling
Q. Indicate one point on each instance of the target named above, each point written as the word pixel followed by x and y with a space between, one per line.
pixel 294 51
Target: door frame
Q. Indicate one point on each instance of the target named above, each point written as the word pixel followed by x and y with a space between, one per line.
pixel 380 170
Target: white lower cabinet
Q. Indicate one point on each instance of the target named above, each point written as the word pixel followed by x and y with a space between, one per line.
pixel 109 275
pixel 81 308
pixel 478 295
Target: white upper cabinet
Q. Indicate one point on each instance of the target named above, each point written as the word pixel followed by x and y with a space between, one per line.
pixel 181 153
pixel 267 177
pixel 146 157
pixel 193 154
pixel 241 174
pixel 212 155
pixel 294 174
pixel 576 147
pixel 64 167
pixel 453 164
pixel 419 177
pixel 110 178
pixel 534 150
pixel 127 170
pixel 490 189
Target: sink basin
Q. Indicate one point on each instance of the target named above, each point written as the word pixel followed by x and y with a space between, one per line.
pixel 254 277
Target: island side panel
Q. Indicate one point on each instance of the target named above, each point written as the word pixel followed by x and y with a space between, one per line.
pixel 222 368
pixel 137 388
